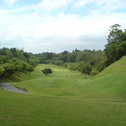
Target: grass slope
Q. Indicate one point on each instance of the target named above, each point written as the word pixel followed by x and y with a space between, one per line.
pixel 66 98
pixel 110 82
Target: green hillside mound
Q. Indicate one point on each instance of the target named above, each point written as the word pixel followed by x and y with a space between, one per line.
pixel 111 82
pixel 115 68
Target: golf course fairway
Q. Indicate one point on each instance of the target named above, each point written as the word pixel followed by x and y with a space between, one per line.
pixel 66 98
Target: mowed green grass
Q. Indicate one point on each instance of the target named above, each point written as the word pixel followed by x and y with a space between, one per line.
pixel 60 83
pixel 66 98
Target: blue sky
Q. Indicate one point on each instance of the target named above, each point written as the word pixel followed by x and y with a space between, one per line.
pixel 58 25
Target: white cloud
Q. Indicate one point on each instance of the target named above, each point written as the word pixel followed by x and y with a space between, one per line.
pixel 10 2
pixel 49 5
pixel 65 31
pixel 80 3
pixel 53 4
pixel 103 5
pixel 39 33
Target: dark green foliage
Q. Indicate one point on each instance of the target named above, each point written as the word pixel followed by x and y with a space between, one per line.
pixel 34 59
pixel 44 57
pixel 85 68
pixel 47 71
pixel 2 70
pixel 121 49
pixel 72 66
pixel 9 69
pixel 14 66
pixel 73 59
pixel 3 59
pixel 115 34
pixel 101 66
pixel 64 56
pixel 58 62
pixel 14 53
pixel 116 47
pixel 14 60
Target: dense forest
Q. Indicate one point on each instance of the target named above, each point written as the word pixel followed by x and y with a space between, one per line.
pixel 86 61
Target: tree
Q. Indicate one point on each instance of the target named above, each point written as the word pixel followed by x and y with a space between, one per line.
pixel 116 46
pixel 71 57
pixel 47 71
pixel 64 56
pixel 115 33
pixel 121 49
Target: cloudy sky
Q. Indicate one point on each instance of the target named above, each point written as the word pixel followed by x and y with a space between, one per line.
pixel 58 25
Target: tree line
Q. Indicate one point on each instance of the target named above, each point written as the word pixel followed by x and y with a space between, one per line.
pixel 14 60
pixel 86 61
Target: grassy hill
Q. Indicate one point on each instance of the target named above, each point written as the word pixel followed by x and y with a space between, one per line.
pixel 66 98
pixel 110 82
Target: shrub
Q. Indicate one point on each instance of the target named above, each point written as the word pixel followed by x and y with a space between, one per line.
pixel 85 68
pixel 9 69
pixel 47 71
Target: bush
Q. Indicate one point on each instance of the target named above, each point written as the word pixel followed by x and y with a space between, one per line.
pixel 85 68
pixel 47 71
pixel 13 66
pixel 9 69
pixel 21 65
